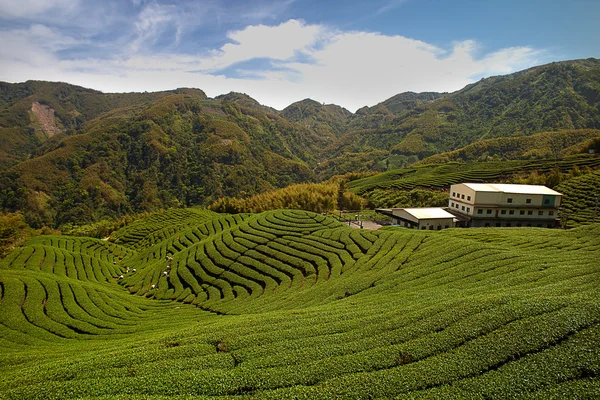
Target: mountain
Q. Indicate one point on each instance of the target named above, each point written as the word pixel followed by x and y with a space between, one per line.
pixel 322 119
pixel 34 111
pixel 169 149
pixel 552 97
pixel 70 154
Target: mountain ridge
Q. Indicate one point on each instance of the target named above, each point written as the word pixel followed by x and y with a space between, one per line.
pixel 120 153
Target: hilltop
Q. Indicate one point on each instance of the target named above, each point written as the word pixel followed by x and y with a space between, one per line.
pixel 292 304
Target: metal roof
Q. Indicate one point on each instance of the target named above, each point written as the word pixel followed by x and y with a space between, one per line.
pixel 511 188
pixel 428 213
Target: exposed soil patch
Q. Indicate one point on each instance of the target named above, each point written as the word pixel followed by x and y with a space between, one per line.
pixel 45 117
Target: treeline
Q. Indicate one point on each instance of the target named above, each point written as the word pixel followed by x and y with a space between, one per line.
pixel 316 197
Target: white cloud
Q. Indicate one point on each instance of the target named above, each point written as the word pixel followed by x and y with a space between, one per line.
pixel 280 42
pixel 351 69
pixel 151 22
pixel 32 8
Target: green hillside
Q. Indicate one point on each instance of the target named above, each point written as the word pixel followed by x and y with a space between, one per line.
pixel 22 134
pixel 178 150
pixel 291 304
pixel 427 185
pixel 581 200
pixel 70 155
pixel 409 127
pixel 538 146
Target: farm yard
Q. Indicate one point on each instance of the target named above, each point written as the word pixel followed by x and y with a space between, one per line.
pixel 188 303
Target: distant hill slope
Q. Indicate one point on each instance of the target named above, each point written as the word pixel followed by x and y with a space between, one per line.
pixel 71 106
pixel 537 146
pixel 322 119
pixel 290 304
pixel 552 97
pixel 179 149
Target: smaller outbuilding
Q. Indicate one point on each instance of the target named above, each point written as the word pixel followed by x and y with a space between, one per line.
pixel 421 218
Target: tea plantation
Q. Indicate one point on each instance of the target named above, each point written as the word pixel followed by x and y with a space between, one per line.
pixel 294 305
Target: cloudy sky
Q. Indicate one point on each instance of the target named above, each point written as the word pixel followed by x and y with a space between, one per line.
pixel 351 53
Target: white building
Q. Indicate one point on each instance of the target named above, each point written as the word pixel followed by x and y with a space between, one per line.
pixel 421 218
pixel 493 204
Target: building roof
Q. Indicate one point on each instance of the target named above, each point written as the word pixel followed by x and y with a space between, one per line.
pixel 511 188
pixel 428 213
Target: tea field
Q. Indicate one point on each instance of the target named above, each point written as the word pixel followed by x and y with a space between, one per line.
pixel 389 189
pixel 289 304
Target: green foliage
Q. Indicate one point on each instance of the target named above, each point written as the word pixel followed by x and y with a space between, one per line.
pixel 581 198
pixel 315 197
pixel 302 307
pixel 553 97
pixel 426 185
pixel 170 154
pixel 538 146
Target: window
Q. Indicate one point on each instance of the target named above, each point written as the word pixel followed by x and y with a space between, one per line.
pixel 546 201
pixel 468 198
pixel 463 208
pixel 480 211
pixel 540 213
pixel 468 209
pixel 522 212
pixel 452 204
pixel 503 212
pixel 439 227
pixel 511 212
pixel 423 228
pixel 462 196
pixel 550 213
pixel 489 212
pixel 529 212
pixel 528 201
pixel 509 200
pixel 430 227
pixel 453 194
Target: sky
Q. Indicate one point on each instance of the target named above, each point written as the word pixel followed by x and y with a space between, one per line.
pixel 350 53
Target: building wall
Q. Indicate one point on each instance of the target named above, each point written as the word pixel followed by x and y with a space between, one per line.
pixel 408 220
pixel 436 224
pixel 504 209
pixel 496 222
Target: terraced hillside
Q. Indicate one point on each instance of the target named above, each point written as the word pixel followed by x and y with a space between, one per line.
pixel 387 189
pixel 292 304
pixel 581 204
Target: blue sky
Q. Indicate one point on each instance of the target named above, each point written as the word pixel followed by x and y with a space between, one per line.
pixel 351 53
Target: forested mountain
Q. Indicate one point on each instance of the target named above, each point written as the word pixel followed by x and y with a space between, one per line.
pixel 556 96
pixel 70 154
pixel 180 149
